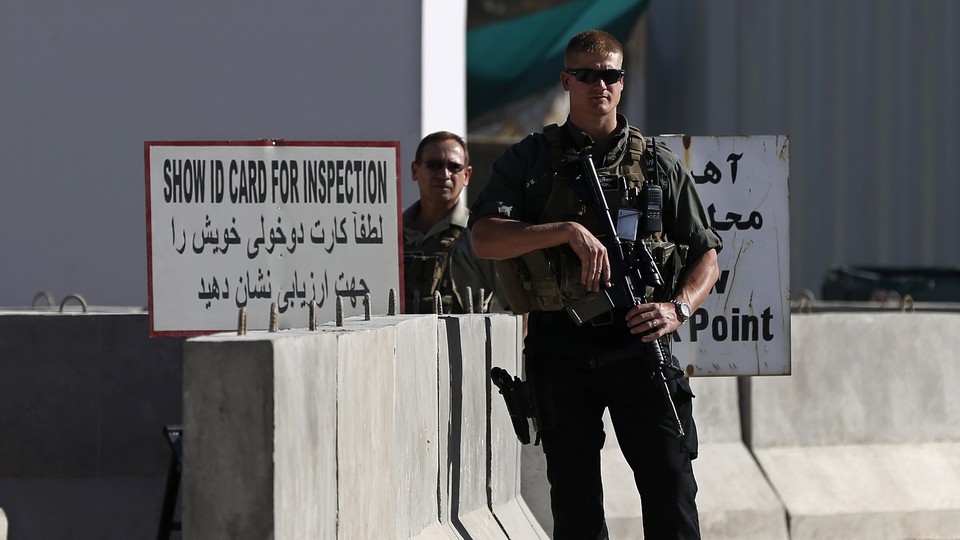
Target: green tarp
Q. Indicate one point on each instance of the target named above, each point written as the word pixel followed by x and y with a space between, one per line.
pixel 510 60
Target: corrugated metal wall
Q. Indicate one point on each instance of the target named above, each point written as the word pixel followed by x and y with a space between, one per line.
pixel 866 90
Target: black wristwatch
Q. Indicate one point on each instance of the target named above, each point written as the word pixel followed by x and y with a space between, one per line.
pixel 683 310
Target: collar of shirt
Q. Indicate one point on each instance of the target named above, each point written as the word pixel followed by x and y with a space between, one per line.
pixel 457 217
pixel 606 154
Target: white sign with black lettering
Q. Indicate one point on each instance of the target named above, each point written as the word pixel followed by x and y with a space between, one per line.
pixel 743 328
pixel 251 224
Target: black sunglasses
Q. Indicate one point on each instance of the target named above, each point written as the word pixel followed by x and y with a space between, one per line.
pixel 590 76
pixel 439 165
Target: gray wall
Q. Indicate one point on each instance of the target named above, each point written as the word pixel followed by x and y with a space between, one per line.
pixel 867 91
pixel 85 398
pixel 83 86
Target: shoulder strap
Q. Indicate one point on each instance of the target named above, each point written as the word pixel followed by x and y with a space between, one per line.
pixel 636 144
pixel 554 137
pixel 427 271
pixel 450 237
pixel 443 243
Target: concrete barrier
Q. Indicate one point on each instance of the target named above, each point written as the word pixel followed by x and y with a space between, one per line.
pixel 239 414
pixel 863 440
pixel 83 400
pixel 509 505
pixel 735 499
pixel 392 424
pixel 467 441
pixel 377 429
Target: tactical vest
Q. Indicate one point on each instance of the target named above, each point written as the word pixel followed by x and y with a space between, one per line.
pixel 549 279
pixel 426 271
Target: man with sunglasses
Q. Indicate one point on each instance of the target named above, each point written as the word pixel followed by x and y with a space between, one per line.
pixel 544 234
pixel 438 253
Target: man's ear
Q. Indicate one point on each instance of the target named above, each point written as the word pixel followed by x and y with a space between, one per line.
pixel 565 81
pixel 413 170
pixel 467 173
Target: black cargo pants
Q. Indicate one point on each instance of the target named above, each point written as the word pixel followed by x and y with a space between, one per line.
pixel 576 392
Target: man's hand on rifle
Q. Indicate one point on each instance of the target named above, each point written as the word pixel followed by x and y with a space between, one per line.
pixel 654 320
pixel 699 277
pixel 595 267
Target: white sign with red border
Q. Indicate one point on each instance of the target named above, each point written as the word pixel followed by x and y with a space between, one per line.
pixel 250 224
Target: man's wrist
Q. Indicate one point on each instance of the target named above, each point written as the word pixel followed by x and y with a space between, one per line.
pixel 684 310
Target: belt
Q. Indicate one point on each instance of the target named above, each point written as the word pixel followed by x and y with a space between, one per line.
pixel 562 318
pixel 635 352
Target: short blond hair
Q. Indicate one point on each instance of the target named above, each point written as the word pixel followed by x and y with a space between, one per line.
pixel 591 41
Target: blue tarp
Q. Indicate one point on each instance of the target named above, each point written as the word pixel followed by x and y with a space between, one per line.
pixel 510 60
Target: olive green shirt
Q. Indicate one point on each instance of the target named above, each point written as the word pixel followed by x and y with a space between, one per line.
pixel 520 184
pixel 465 268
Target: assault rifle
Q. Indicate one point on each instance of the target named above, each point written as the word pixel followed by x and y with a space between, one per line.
pixel 628 275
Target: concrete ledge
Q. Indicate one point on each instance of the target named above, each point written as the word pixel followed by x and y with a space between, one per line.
pixel 868 491
pixel 735 499
pixel 863 440
pixel 865 378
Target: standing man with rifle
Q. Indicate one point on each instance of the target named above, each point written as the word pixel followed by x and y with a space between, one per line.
pixel 606 280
